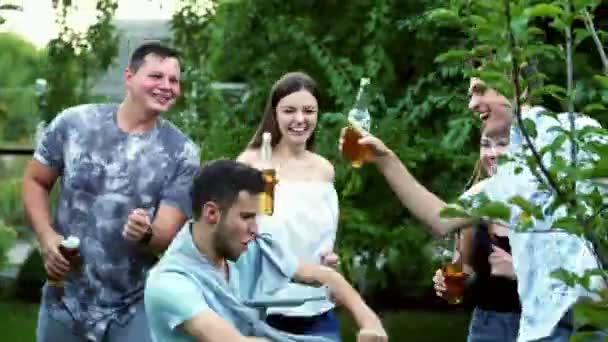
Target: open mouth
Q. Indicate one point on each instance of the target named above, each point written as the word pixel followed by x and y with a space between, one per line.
pixel 162 99
pixel 484 116
pixel 298 130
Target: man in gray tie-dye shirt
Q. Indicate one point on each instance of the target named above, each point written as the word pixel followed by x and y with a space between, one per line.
pixel 126 176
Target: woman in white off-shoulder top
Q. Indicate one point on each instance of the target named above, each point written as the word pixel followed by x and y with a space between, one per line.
pixel 305 217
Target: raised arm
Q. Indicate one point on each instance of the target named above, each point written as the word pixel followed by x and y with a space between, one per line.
pixel 422 203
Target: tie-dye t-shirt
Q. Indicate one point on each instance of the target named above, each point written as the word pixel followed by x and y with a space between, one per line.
pixel 105 174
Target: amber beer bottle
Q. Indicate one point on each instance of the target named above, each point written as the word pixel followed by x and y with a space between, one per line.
pixel 358 117
pixel 270 175
pixel 69 248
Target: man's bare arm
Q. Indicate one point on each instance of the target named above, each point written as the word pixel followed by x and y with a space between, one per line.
pixel 422 203
pixel 167 223
pixel 38 182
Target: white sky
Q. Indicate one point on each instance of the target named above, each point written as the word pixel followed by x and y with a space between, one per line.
pixel 37 21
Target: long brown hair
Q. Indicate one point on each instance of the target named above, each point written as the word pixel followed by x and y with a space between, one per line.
pixel 289 83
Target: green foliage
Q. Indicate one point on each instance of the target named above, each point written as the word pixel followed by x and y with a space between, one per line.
pixel 75 59
pixel 7 238
pixel 418 108
pixel 510 33
pixel 20 63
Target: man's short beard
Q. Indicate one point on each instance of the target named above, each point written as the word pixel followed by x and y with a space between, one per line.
pixel 221 243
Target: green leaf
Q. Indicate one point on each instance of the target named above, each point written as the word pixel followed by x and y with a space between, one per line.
pixel 543 10
pixel 598 170
pixel 530 128
pixel 444 17
pixel 602 80
pixel 568 278
pixel 594 107
pixel 527 206
pixel 454 211
pixel 519 25
pixel 555 91
pixel 591 312
pixel 580 34
pixel 558 24
pixel 11 7
pixel 569 224
pixel 494 209
pixel 452 56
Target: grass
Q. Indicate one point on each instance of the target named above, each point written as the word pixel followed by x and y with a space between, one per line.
pixel 18 321
pixel 18 324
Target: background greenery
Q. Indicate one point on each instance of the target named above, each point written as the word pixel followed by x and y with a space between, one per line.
pixel 419 106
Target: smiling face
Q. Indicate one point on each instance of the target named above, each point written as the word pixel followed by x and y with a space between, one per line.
pixel 488 103
pixel 296 116
pixel 154 86
pixel 237 226
pixel 494 143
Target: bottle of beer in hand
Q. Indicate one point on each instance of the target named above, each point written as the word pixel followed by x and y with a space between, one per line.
pixel 269 173
pixel 358 119
pixel 69 248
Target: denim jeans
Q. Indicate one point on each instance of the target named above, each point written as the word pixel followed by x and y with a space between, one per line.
pixel 51 330
pixel 493 326
pixel 325 324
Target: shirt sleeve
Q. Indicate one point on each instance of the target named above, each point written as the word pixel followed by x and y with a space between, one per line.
pixel 172 299
pixel 177 192
pixel 265 268
pixel 49 149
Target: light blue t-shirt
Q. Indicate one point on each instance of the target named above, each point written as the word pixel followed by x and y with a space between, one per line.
pixel 185 283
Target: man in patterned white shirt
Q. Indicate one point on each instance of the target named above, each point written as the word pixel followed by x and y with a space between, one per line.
pixel 546 301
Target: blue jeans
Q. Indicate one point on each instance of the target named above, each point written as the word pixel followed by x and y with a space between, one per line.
pixel 325 324
pixel 51 330
pixel 493 326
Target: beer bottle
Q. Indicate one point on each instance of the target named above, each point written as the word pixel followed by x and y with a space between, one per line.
pixel 358 119
pixel 269 174
pixel 69 248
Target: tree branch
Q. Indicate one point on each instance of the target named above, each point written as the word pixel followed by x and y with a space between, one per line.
pixel 596 39
pixel 570 90
pixel 517 110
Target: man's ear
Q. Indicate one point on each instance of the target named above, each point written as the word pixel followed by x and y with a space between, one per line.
pixel 211 212
pixel 128 75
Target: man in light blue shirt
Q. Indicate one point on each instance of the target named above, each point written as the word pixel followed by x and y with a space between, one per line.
pixel 546 301
pixel 218 264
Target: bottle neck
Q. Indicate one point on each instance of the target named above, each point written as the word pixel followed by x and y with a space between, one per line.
pixel 361 101
pixel 266 155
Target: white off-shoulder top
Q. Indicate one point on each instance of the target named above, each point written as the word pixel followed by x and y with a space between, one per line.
pixel 305 222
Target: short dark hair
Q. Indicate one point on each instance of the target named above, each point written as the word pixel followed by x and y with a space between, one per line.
pixel 221 181
pixel 152 48
pixel 289 83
